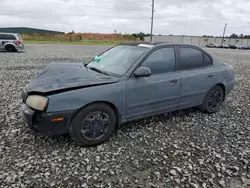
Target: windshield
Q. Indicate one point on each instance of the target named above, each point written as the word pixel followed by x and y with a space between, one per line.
pixel 118 59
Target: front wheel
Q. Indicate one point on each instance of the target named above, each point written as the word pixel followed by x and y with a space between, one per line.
pixel 93 125
pixel 213 100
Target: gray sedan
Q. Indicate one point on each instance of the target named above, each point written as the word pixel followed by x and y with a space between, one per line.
pixel 124 83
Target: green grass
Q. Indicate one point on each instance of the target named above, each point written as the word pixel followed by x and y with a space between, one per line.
pixel 89 42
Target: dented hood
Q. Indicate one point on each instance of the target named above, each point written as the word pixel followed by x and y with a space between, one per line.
pixel 61 76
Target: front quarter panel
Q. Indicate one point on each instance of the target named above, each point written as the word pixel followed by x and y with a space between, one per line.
pixel 76 99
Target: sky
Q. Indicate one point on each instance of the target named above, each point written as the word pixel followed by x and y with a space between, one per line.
pixel 177 17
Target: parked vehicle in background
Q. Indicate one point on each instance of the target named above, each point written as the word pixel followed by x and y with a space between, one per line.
pixel 244 47
pixel 212 45
pixel 233 46
pixel 11 42
pixel 124 83
pixel 224 46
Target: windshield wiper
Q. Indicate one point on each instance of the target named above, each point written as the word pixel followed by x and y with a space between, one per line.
pixel 98 70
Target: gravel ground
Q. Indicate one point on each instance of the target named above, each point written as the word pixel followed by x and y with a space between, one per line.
pixel 182 149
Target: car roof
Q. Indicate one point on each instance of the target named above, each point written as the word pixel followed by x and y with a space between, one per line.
pixel 154 44
pixel 9 33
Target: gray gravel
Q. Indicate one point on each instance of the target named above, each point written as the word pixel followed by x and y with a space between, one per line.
pixel 181 149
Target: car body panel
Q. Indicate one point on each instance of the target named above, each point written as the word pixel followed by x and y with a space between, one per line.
pixel 195 84
pixel 75 99
pixel 41 123
pixel 60 76
pixel 152 94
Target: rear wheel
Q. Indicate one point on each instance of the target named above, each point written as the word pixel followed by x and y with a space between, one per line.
pixel 213 100
pixel 93 125
pixel 10 48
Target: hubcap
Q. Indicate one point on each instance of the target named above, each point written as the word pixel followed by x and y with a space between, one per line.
pixel 95 126
pixel 215 100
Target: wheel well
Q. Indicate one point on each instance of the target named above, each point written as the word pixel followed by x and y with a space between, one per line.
pixel 117 113
pixel 224 90
pixel 10 45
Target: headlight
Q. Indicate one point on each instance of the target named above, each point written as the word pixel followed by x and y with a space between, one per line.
pixel 37 102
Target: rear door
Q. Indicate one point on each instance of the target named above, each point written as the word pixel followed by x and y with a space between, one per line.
pixel 159 92
pixel 197 75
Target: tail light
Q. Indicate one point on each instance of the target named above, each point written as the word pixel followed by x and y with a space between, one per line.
pixel 19 42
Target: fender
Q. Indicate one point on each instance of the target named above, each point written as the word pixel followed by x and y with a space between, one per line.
pixel 5 43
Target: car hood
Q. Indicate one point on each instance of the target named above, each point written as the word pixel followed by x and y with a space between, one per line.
pixel 61 76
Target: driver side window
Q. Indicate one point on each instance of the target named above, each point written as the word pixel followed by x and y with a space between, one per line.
pixel 161 61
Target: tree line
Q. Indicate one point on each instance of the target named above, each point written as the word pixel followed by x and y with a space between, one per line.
pixel 232 36
pixel 141 35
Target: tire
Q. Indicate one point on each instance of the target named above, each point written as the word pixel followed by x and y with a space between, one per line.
pixel 10 48
pixel 206 106
pixel 76 128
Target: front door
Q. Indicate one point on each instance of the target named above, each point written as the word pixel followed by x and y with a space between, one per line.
pixel 197 76
pixel 157 93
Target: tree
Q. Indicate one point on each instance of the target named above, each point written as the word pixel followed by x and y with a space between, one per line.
pixel 234 36
pixel 134 35
pixel 141 35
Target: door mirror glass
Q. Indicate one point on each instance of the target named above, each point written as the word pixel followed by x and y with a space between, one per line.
pixel 142 72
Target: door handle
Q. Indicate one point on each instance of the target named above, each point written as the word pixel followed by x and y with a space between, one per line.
pixel 210 75
pixel 173 82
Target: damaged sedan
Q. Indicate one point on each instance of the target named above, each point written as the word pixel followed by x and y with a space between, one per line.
pixel 124 83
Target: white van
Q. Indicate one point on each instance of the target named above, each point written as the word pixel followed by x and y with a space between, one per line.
pixel 11 42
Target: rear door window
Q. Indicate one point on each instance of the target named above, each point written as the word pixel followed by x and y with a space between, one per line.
pixel 11 37
pixel 190 58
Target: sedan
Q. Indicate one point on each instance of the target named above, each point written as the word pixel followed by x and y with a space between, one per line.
pixel 126 82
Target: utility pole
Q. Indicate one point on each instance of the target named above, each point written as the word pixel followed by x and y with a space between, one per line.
pixel 152 19
pixel 224 34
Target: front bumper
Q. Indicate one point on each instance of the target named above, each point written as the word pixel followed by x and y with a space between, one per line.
pixel 40 122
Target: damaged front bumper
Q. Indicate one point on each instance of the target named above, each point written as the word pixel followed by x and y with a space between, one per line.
pixel 42 123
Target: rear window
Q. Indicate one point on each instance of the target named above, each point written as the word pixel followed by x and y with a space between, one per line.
pixel 19 37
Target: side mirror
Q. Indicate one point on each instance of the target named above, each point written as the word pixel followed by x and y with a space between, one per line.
pixel 142 72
